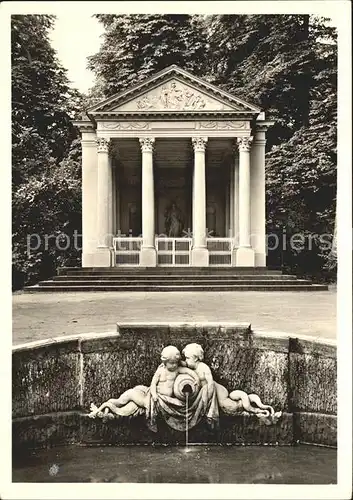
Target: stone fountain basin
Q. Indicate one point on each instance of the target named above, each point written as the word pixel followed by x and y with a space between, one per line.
pixel 55 381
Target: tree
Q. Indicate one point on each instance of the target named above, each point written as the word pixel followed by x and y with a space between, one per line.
pixel 287 65
pixel 45 170
pixel 265 59
pixel 138 46
pixel 40 88
pixel 46 218
pixel 301 172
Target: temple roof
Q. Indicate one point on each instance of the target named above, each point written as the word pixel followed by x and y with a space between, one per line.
pixel 173 91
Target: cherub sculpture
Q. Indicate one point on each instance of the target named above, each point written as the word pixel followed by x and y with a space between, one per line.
pixel 230 403
pixel 136 399
pixel 166 397
pixel 164 378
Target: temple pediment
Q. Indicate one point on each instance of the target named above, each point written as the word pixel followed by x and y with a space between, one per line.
pixel 173 90
pixel 174 95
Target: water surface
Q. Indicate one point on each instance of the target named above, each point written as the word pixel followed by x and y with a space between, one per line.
pixel 201 464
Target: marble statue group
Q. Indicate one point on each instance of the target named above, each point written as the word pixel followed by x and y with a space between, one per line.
pixel 183 392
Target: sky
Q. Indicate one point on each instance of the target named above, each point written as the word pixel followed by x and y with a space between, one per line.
pixel 73 46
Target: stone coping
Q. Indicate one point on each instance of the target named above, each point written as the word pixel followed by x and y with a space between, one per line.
pixel 62 339
pixel 259 333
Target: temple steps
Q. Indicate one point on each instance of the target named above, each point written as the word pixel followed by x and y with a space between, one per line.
pixel 167 271
pixel 172 279
pixel 157 282
pixel 175 288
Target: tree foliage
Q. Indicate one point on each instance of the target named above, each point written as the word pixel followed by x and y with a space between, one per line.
pixel 301 172
pixel 45 155
pixel 267 59
pixel 136 47
pixel 287 64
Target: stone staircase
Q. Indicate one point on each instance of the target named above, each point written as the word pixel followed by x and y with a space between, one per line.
pixel 170 279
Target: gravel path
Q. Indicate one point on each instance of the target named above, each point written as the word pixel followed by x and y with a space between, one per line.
pixel 45 315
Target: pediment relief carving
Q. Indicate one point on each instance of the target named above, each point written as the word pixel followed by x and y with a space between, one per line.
pixel 175 96
pixel 173 90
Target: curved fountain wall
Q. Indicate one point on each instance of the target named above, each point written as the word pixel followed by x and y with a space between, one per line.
pixel 55 381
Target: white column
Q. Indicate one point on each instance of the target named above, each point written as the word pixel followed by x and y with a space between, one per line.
pixel 227 209
pixel 192 203
pixel 258 196
pixel 236 199
pixel 230 229
pixel 102 258
pixel 89 197
pixel 199 255
pixel 148 257
pixel 110 202
pixel 117 202
pixel 235 204
pixel 245 255
pixel 114 182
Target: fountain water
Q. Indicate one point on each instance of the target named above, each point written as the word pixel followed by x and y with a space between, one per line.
pixel 187 390
pixel 187 424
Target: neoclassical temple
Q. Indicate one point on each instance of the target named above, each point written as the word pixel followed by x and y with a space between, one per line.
pixel 173 174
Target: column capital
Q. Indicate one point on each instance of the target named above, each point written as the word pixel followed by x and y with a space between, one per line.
pixel 103 145
pixel 147 144
pixel 244 144
pixel 199 143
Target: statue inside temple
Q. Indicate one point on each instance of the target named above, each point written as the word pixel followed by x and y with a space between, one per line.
pixel 173 221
